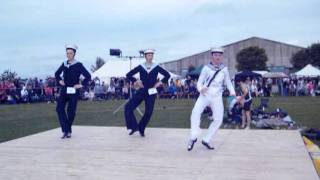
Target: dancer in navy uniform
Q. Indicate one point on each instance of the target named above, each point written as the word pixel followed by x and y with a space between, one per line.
pixel 69 91
pixel 148 74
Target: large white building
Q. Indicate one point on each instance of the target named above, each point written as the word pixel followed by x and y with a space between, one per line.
pixel 279 55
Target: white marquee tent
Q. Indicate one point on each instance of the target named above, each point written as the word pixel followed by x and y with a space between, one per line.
pixel 308 71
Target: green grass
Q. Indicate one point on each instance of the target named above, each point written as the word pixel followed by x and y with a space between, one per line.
pixel 22 120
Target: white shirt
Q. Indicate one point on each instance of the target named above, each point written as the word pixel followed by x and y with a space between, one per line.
pixel 216 86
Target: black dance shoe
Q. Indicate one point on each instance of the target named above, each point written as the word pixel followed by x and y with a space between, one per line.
pixel 191 144
pixel 69 135
pixel 142 134
pixel 133 131
pixel 64 136
pixel 207 145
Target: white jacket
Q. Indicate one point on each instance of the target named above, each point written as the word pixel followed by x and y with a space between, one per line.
pixel 216 86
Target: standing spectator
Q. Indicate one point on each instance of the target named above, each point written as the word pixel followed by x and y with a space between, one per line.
pixel 254 87
pixel 269 85
pixel 301 87
pixel 310 88
pixel 292 88
pixel 246 101
pixel 286 83
pixel 280 85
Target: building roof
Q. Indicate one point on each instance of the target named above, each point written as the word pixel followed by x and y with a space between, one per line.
pixel 272 41
pixel 251 38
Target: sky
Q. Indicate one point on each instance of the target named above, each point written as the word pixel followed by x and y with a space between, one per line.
pixel 33 33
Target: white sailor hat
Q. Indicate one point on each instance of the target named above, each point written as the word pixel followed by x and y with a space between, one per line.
pixel 69 46
pixel 217 50
pixel 149 51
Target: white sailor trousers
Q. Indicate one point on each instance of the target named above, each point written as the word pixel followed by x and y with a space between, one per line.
pixel 216 105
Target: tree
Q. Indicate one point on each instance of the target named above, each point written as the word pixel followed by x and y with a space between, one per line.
pixel 8 75
pixel 310 55
pixel 99 63
pixel 252 58
pixel 300 59
pixel 315 54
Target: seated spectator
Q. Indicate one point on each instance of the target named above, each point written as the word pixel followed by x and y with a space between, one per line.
pixel 98 92
pixel 235 111
pixel 24 94
pixel 111 92
pixel 173 91
pixel 3 94
pixel 279 119
pixel 125 91
pixel 48 91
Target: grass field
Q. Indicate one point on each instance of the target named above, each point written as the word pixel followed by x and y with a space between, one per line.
pixel 22 120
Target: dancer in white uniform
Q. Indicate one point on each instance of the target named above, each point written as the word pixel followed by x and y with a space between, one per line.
pixel 210 86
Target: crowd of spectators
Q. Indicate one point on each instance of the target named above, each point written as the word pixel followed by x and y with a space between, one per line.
pixel 33 90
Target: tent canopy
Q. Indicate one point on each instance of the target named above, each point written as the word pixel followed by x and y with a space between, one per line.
pixel 274 75
pixel 260 72
pixel 243 75
pixel 119 68
pixel 308 71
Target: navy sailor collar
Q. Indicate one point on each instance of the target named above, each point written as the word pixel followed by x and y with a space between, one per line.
pixel 151 68
pixel 65 63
